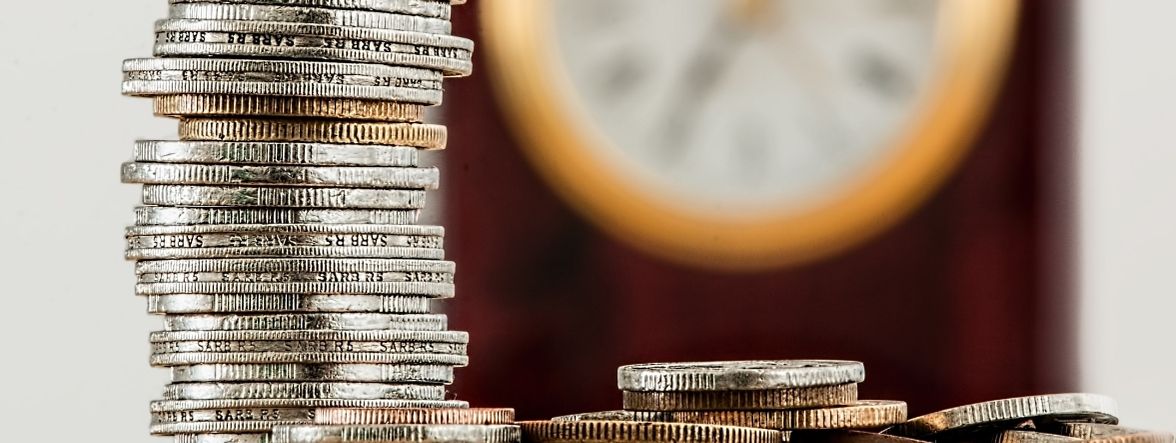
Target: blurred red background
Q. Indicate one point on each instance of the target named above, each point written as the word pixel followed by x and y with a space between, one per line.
pixel 961 302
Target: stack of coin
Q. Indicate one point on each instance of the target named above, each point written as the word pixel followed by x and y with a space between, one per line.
pixel 782 395
pixel 278 235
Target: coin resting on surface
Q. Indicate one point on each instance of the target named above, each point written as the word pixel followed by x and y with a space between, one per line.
pixel 427 8
pixel 199 358
pixel 167 216
pixel 355 416
pixel 396 433
pixel 738 375
pixel 294 321
pixel 847 436
pixel 309 15
pixel 417 135
pixel 812 397
pixel 864 414
pixel 274 303
pixel 381 177
pixel 223 105
pixel 1087 407
pixel 428 374
pixel 620 431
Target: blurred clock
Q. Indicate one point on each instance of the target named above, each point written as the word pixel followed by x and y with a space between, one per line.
pixel 745 134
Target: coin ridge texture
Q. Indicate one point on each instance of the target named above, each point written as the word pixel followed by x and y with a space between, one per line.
pixel 223 105
pixel 310 15
pixel 864 414
pixel 183 405
pixel 473 416
pixel 377 177
pixel 420 135
pixel 164 216
pixel 376 373
pixel 396 433
pixel 795 398
pixel 428 8
pixel 274 153
pixel 268 196
pixel 619 431
pixel 751 375
pixel 285 303
pixel 302 390
pixel 307 321
pixel 1086 406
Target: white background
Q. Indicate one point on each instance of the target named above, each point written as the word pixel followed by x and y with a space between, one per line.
pixel 1127 180
pixel 74 355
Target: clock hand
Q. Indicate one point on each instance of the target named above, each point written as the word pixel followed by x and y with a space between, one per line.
pixel 703 72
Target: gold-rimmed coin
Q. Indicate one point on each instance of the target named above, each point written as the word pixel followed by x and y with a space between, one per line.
pixel 206 105
pixel 419 135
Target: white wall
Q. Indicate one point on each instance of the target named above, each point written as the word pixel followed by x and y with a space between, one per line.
pixel 1127 132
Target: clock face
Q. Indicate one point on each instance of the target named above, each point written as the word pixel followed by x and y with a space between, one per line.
pixel 731 107
pixel 745 134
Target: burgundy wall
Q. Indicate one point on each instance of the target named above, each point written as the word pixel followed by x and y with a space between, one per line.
pixel 953 305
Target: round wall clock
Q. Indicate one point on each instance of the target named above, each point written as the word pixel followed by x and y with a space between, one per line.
pixel 746 134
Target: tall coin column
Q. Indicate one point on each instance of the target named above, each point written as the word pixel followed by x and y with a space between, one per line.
pixel 278 236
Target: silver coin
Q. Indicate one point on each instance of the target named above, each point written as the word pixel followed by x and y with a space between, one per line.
pixel 321 16
pixel 285 303
pixel 270 390
pixel 249 414
pixel 280 251
pixel 300 265
pixel 1085 407
pixel 437 374
pixel 397 433
pixel 155 77
pixel 248 196
pixel 260 241
pixel 321 321
pixel 222 438
pixel 429 290
pixel 738 375
pixel 199 427
pixel 166 216
pixel 189 405
pixel 426 8
pixel 253 335
pixel 247 153
pixel 451 56
pixel 233 358
pixel 379 177
pixel 165 352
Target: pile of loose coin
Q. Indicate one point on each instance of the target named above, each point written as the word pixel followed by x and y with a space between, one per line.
pixel 278 235
pixel 816 401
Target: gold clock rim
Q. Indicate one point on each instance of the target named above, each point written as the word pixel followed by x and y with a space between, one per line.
pixel 978 41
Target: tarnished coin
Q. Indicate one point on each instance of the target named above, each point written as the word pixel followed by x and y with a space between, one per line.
pixel 623 431
pixel 236 38
pixel 1085 407
pixel 865 414
pixel 1110 433
pixel 317 403
pixel 1027 436
pixel 796 398
pixel 396 433
pixel 353 416
pixel 237 415
pixel 847 436
pixel 260 196
pixel 305 390
pixel 738 375
pixel 313 373
pixel 284 303
pixel 155 77
pixel 418 135
pixel 378 177
pixel 308 321
pixel 299 14
pixel 615 415
pixel 213 105
pixel 168 216
pixel 424 374
pixel 426 8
